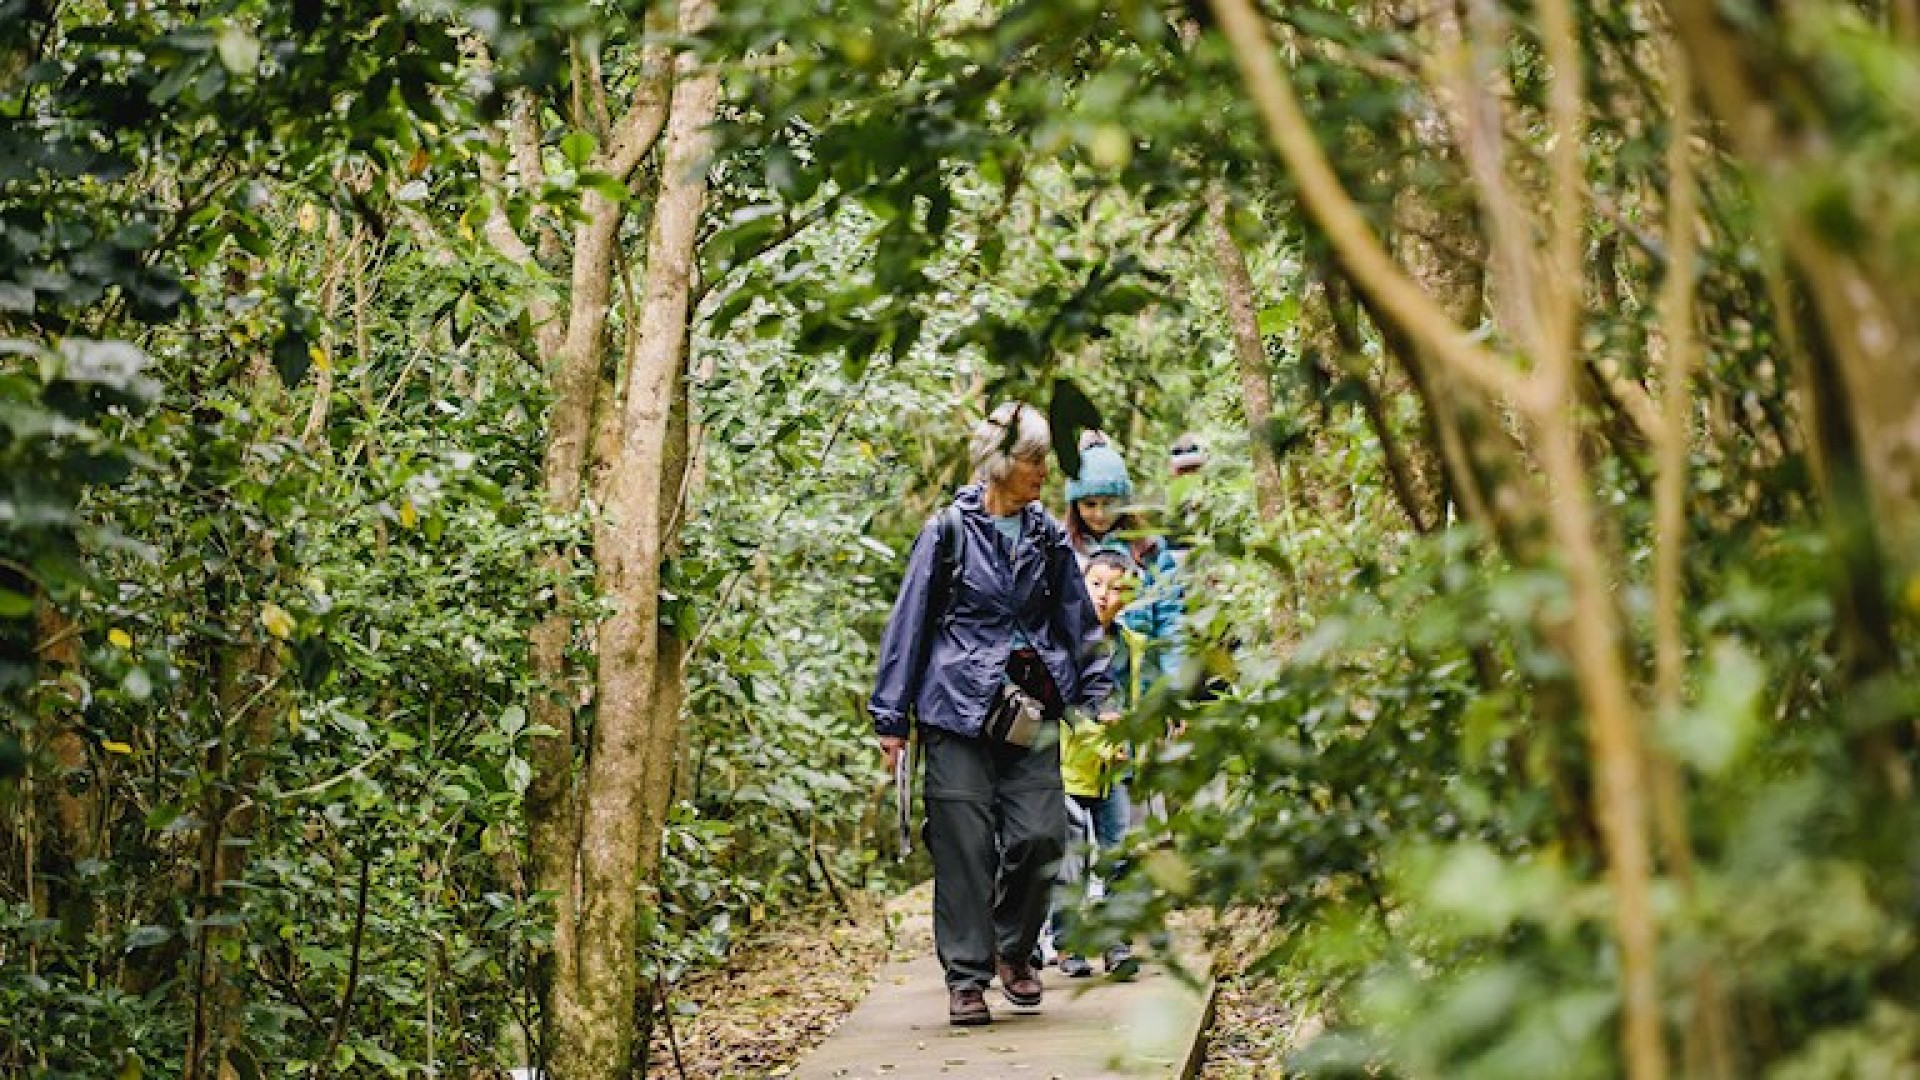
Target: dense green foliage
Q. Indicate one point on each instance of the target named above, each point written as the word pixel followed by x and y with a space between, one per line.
pixel 274 530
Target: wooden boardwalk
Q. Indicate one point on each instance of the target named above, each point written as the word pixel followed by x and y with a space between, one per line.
pixel 1088 1029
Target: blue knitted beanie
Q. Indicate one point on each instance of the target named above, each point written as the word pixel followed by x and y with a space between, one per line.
pixel 1101 473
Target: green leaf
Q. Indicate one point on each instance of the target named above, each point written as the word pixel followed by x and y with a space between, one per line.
pixel 15 297
pixel 146 937
pixel 578 147
pixel 1069 412
pixel 1283 434
pixel 519 774
pixel 292 356
pixel 471 960
pixel 1712 734
pixel 239 49
pixel 117 365
pixel 137 684
pixel 609 187
pixel 1279 318
pixel 15 605
pixel 788 176
pixel 939 210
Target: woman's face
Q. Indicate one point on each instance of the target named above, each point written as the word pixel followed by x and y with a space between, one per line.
pixel 1099 512
pixel 1025 479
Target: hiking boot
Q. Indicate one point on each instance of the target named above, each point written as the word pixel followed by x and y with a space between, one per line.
pixel 1020 984
pixel 1121 964
pixel 1075 966
pixel 967 1007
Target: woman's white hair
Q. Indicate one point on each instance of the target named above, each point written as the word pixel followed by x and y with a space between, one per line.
pixel 1012 430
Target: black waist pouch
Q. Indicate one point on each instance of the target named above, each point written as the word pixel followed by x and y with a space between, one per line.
pixel 1016 717
pixel 1026 703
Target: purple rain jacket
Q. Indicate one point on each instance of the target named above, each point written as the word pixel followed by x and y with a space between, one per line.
pixel 966 650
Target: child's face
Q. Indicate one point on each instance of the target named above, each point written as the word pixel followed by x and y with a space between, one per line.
pixel 1099 512
pixel 1108 586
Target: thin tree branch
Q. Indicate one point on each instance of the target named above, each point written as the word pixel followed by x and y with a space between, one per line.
pixel 1249 351
pixel 1670 482
pixel 666 1017
pixel 521 138
pixel 1346 228
pixel 1346 333
pixel 289 985
pixel 598 114
pixel 345 1013
pixel 1613 726
pixel 820 861
pixel 789 230
pixel 639 128
pixel 1708 1040
pixel 1466 72
pixel 1566 103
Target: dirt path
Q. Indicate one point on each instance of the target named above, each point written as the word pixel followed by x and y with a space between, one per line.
pixel 780 995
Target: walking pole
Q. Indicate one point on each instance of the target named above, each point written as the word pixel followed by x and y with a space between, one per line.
pixel 903 794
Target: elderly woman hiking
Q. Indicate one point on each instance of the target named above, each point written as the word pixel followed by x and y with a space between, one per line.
pixel 991 639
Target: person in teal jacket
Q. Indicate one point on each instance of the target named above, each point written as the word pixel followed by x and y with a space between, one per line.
pixel 1099 517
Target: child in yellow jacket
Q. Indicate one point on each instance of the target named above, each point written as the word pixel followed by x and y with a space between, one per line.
pixel 1091 764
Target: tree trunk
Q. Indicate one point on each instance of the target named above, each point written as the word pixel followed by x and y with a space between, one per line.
pixel 573 352
pixel 591 1014
pixel 1249 353
pixel 575 370
pixel 1870 326
pixel 667 734
pixel 75 807
pixel 249 705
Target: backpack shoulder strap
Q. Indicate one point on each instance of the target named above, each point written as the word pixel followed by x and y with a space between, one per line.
pixel 953 542
pixel 949 559
pixel 1051 529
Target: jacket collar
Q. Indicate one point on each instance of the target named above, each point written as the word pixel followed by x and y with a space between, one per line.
pixel 972 499
pixel 1030 551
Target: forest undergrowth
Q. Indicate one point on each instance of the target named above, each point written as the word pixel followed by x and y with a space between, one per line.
pixel 457 460
pixel 779 992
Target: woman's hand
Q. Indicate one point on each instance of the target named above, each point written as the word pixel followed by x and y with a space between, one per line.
pixel 1109 718
pixel 891 747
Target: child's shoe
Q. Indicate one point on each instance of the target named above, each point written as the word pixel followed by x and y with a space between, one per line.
pixel 1121 964
pixel 1075 966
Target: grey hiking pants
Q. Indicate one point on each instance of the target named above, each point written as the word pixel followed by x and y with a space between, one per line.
pixel 996 816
